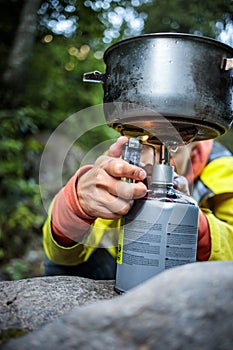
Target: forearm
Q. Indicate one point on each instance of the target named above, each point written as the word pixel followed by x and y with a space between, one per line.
pixel 67 226
pixel 69 223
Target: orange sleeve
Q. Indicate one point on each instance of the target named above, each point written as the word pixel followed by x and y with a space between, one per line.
pixel 69 222
pixel 204 240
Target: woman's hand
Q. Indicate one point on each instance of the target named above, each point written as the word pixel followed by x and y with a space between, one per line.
pixel 101 191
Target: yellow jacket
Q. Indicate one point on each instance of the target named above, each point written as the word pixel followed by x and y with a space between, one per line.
pixel 217 204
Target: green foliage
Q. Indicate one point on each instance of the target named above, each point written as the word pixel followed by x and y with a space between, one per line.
pixel 188 16
pixel 21 214
pixel 11 333
pixel 226 139
pixel 16 270
pixel 58 78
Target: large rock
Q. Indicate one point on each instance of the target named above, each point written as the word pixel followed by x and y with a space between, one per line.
pixel 188 307
pixel 28 304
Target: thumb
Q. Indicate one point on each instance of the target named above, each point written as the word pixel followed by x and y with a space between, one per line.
pixel 115 149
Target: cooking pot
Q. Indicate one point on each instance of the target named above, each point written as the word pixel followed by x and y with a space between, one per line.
pixel 182 79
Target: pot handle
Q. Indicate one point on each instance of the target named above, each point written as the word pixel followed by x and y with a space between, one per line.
pixel 94 77
pixel 227 63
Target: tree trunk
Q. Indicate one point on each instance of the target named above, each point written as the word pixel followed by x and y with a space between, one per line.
pixel 14 76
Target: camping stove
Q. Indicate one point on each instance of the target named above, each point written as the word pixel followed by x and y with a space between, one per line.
pixel 163 90
pixel 160 230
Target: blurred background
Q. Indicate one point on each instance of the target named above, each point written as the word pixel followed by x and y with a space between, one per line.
pixel 45 48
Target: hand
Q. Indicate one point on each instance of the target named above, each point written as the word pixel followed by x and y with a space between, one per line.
pixel 181 184
pixel 101 191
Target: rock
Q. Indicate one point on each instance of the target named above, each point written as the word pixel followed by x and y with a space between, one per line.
pixel 28 304
pixel 188 307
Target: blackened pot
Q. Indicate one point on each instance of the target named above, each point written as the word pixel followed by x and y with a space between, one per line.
pixel 180 78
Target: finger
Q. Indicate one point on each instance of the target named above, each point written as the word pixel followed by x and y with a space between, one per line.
pixel 115 149
pixel 148 168
pixel 119 207
pixel 118 188
pixel 119 168
pixel 111 207
pixel 130 191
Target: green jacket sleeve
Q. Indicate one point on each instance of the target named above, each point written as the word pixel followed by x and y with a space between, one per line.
pixel 74 255
pixel 103 233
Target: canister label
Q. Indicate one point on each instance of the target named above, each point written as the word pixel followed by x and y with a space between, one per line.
pixel 157 236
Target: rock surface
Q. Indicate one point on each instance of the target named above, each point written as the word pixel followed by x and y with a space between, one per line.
pixel 188 307
pixel 28 304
